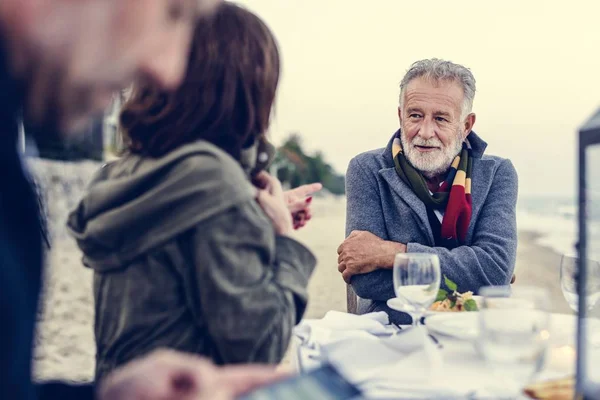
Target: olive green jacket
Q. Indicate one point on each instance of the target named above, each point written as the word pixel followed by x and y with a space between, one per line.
pixel 185 258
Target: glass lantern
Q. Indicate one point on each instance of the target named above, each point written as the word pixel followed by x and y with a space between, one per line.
pixel 588 247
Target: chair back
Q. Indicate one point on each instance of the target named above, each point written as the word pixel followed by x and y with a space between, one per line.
pixel 351 300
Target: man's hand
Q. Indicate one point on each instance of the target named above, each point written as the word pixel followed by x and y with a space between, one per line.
pixel 363 252
pixel 170 375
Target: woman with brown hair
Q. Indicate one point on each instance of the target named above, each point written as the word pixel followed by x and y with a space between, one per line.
pixel 186 252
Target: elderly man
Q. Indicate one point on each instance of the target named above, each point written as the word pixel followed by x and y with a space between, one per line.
pixel 60 61
pixel 430 190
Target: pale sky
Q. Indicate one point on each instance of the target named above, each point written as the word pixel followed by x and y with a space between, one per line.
pixel 537 66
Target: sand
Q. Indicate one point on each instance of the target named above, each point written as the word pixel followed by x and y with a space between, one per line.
pixel 65 345
pixel 540 266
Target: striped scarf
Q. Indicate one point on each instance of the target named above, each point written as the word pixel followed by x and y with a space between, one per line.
pixel 453 195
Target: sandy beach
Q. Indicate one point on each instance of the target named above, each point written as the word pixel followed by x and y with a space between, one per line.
pixel 65 346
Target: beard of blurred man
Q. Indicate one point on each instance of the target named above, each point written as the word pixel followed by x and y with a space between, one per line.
pixel 72 56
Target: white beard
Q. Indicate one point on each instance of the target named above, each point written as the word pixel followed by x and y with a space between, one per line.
pixel 433 163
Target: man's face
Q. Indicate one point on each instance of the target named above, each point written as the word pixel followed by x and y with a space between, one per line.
pixel 432 128
pixel 85 50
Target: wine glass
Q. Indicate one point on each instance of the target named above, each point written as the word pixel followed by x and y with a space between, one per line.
pixel 568 281
pixel 417 281
pixel 514 333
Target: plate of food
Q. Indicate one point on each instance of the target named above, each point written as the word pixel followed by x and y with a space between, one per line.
pixel 448 300
pixel 556 389
pixel 463 325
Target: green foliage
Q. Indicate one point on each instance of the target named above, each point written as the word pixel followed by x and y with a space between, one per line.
pixel 449 284
pixel 471 305
pixel 295 167
pixel 453 295
pixel 441 296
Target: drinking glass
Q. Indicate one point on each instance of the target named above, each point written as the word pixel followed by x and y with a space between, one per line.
pixel 568 282
pixel 514 333
pixel 417 281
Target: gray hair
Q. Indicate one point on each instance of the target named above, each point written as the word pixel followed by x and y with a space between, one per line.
pixel 441 70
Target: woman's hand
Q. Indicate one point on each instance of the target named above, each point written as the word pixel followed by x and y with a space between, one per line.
pixel 271 199
pixel 298 201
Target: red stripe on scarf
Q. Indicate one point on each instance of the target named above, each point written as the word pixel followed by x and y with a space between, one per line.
pixel 457 216
pixel 445 187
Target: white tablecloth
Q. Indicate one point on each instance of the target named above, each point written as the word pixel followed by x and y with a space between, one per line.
pixel 457 372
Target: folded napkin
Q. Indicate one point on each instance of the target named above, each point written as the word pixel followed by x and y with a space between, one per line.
pixel 311 334
pixel 336 325
pixel 382 361
pixel 382 358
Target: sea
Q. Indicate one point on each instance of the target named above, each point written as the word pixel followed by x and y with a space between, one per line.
pixel 554 218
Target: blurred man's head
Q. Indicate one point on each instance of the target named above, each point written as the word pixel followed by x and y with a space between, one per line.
pixel 436 100
pixel 71 55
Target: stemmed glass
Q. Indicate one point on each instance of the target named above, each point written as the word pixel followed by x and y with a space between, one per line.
pixel 514 333
pixel 417 281
pixel 568 282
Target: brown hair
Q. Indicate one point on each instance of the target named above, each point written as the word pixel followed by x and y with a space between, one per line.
pixel 225 98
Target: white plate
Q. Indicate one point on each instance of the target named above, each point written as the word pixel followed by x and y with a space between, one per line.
pixel 461 325
pixel 465 325
pixel 398 304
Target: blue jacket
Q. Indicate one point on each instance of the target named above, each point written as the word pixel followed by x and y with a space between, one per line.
pixel 21 259
pixel 378 201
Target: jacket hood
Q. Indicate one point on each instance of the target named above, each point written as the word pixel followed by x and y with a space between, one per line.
pixel 136 203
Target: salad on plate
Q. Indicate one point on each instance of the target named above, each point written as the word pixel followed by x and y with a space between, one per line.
pixel 453 301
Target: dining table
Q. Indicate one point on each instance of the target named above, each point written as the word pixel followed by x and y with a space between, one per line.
pixel 427 361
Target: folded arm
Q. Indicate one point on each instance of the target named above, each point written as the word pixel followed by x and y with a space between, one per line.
pixel 489 260
pixel 364 217
pixel 250 284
